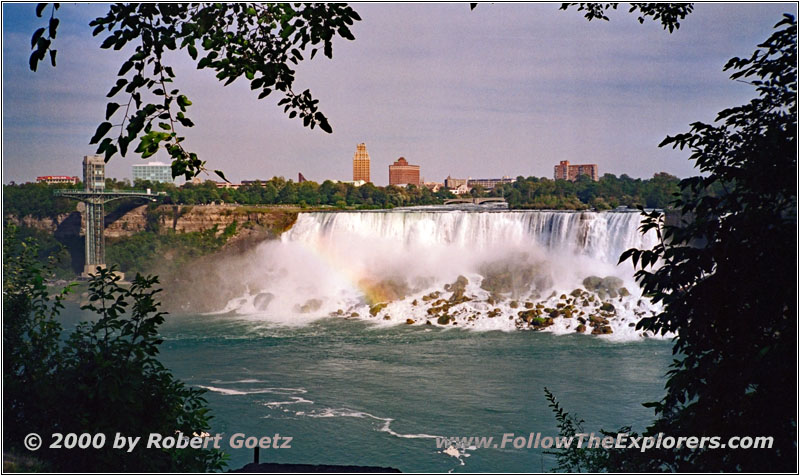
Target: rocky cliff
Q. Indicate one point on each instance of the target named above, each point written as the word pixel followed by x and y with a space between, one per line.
pixel 126 221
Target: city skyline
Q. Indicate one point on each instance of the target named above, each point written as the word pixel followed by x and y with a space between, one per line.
pixel 504 89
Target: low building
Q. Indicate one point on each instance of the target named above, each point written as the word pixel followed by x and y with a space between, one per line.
pixel 454 183
pixel 488 184
pixel 565 171
pixel 153 171
pixel 59 179
pixel 462 189
pixel 403 173
pixel 433 186
pixel 355 183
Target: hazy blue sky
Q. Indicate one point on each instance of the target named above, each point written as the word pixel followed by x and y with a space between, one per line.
pixel 506 89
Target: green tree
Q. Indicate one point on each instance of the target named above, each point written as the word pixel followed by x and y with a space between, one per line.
pixel 726 278
pixel 103 378
pixel 261 43
pixel 732 301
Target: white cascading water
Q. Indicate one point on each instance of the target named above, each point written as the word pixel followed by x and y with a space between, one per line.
pixel 343 264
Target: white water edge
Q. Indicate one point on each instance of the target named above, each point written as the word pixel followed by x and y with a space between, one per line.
pixel 341 265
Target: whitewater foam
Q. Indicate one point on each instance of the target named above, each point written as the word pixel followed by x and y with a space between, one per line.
pixel 342 264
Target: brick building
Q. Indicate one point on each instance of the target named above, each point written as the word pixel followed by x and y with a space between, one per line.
pixel 565 171
pixel 401 173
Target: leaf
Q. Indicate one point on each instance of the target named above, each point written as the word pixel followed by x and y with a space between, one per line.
pixel 221 175
pixel 102 129
pixel 53 26
pixel 40 8
pixel 110 109
pixel 325 126
pixel 126 66
pixel 36 35
pixel 53 57
pixel 192 51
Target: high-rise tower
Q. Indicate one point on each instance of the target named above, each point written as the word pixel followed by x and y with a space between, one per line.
pixel 94 195
pixel 361 163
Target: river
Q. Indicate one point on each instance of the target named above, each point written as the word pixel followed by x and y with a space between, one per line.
pixel 295 349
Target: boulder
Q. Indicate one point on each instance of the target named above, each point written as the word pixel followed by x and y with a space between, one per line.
pixel 541 322
pixel 374 310
pixel 602 330
pixel 410 321
pixel 581 328
pixel 597 320
pixel 310 306
pixel 608 307
pixel 611 282
pixel 458 288
pixel 592 282
pixel 388 290
pixel 262 300
pixel 444 319
pixel 431 296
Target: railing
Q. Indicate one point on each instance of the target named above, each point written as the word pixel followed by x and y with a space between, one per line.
pixel 67 191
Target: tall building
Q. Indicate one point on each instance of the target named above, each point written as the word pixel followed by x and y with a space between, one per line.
pixel 361 163
pixel 94 172
pixel 401 173
pixel 153 171
pixel 51 179
pixel 565 171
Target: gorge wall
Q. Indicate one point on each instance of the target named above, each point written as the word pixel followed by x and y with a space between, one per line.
pixel 127 220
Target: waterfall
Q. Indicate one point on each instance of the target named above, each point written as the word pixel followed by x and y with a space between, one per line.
pixel 477 269
pixel 602 236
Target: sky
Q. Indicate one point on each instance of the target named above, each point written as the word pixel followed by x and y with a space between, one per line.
pixel 505 89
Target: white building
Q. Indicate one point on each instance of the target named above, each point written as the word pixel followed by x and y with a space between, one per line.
pixel 153 171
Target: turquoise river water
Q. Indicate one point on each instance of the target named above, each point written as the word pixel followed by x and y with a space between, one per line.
pixel 355 393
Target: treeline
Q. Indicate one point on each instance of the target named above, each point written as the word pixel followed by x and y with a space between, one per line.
pixel 35 199
pixel 278 191
pixel 607 193
pixel 532 192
